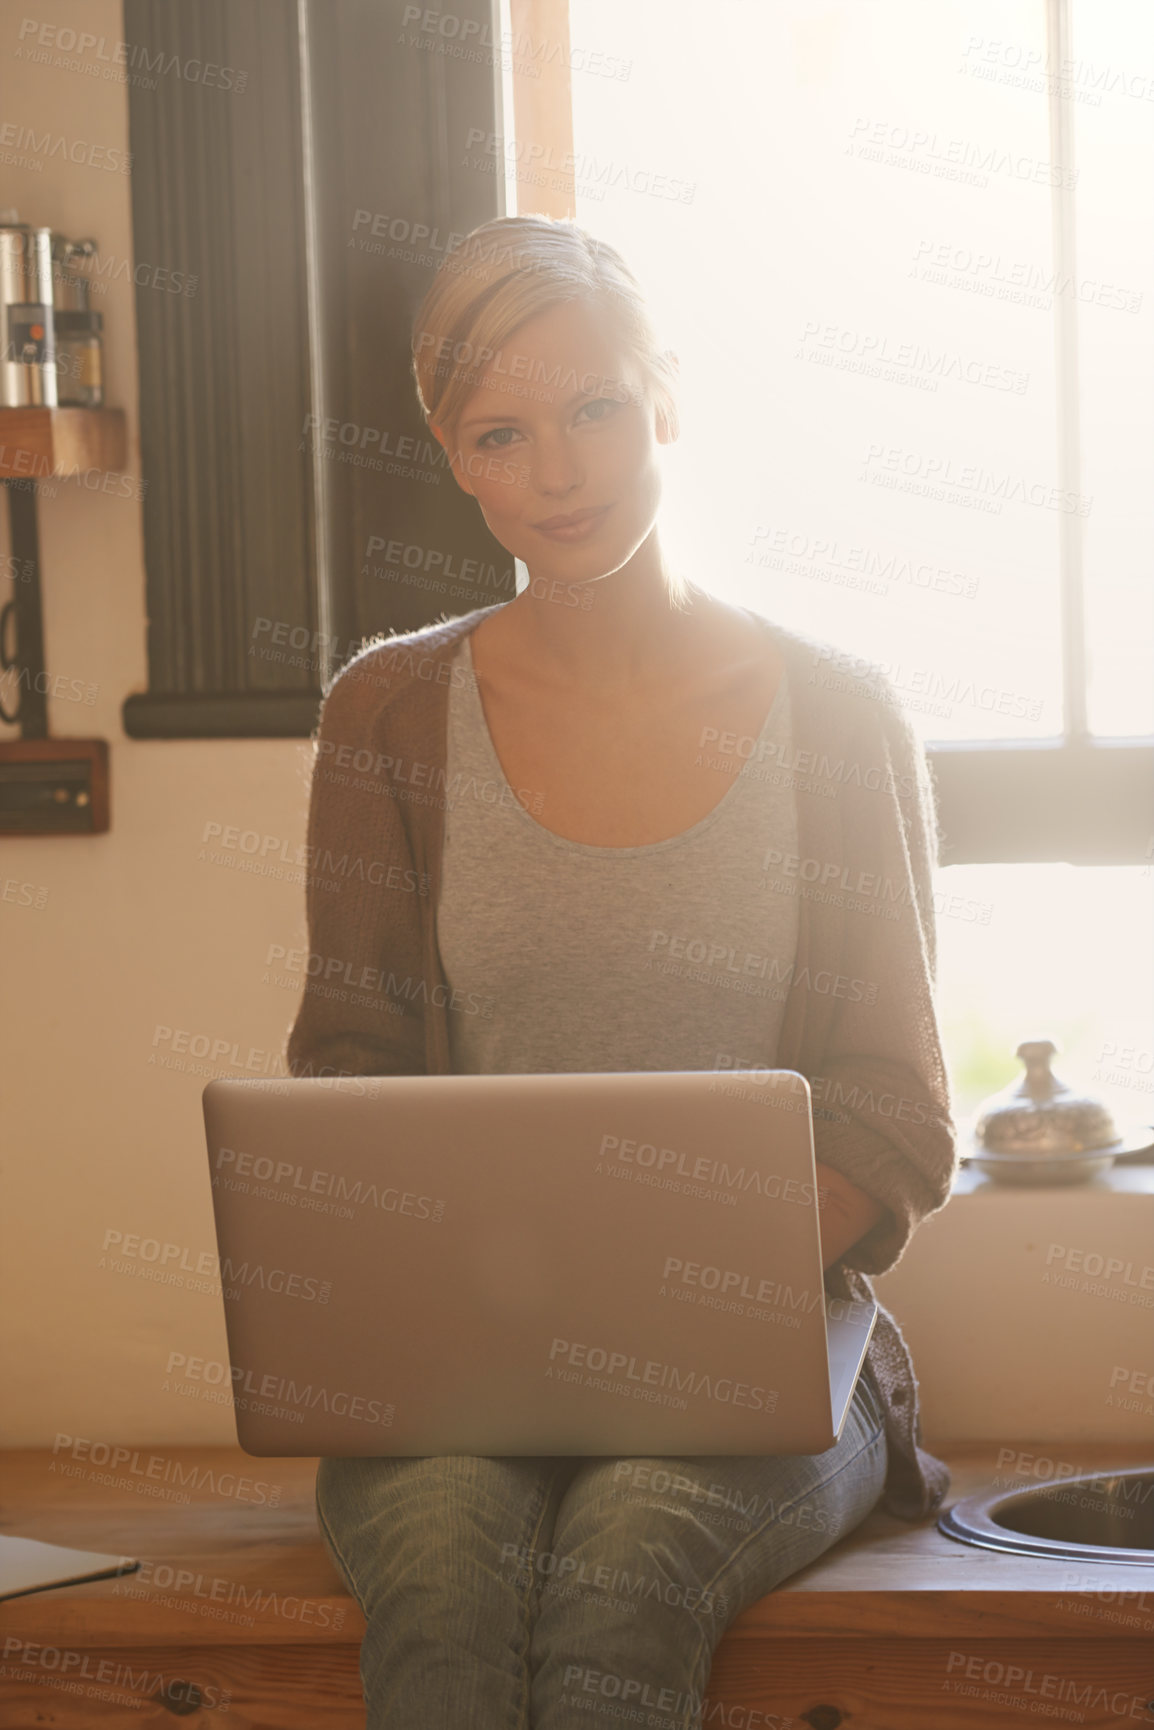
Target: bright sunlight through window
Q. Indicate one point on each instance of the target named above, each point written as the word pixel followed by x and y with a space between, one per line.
pixel 847 224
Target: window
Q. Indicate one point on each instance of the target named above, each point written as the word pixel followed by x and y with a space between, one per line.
pixel 906 257
pixel 908 275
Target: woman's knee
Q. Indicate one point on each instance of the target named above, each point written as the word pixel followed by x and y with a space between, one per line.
pixel 447 1524
pixel 634 1559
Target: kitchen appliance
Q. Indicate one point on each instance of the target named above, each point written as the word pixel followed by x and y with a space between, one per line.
pixel 79 330
pixel 28 364
pixel 52 337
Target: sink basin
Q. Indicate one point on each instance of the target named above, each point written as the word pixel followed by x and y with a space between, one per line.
pixel 1098 1517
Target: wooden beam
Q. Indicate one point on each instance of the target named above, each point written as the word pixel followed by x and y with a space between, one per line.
pixel 543 105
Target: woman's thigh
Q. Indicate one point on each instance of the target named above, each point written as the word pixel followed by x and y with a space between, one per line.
pixel 653 1558
pixel 456 1519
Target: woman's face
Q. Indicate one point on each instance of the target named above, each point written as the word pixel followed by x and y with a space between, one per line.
pixel 560 426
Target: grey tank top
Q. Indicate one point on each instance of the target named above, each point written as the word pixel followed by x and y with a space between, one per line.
pixel 561 956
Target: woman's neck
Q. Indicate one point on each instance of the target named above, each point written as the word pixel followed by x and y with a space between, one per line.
pixel 611 634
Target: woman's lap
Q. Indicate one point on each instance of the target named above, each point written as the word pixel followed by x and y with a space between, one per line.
pixel 537 1590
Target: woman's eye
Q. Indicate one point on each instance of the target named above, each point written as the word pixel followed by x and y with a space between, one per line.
pixel 493 439
pixel 483 441
pixel 608 403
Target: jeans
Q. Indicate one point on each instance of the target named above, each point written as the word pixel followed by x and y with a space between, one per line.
pixel 558 1592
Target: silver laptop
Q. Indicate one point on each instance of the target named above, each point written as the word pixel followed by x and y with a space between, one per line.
pixel 586 1263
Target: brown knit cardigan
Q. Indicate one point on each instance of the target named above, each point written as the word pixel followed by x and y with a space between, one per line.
pixel 867 844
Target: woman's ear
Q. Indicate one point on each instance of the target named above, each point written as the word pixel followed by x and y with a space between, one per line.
pixel 456 466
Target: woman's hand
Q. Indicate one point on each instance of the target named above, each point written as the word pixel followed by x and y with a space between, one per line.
pixel 845 1213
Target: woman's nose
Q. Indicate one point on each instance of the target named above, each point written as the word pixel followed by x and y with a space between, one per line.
pixel 555 467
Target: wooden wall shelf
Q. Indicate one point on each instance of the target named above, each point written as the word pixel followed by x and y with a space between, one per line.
pixel 40 443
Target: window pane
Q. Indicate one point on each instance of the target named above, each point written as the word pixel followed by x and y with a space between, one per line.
pixel 1111 84
pixel 844 214
pixel 1059 950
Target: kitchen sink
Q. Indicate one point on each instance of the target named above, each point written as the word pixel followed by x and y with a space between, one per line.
pixel 1096 1517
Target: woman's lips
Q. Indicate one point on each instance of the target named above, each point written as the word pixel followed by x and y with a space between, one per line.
pixel 586 523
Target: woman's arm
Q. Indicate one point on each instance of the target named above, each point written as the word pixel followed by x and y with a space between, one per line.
pixel 882 1118
pixel 362 1008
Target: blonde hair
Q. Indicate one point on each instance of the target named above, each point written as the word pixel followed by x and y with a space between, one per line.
pixel 504 273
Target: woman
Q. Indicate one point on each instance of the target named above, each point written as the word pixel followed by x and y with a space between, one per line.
pixel 582 791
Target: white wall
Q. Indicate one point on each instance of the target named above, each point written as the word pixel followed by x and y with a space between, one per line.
pixel 139 930
pixel 1030 1312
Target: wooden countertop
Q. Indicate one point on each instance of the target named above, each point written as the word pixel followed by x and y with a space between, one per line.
pixel 238 1559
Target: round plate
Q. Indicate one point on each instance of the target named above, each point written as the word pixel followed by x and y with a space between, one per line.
pixel 1138 1139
